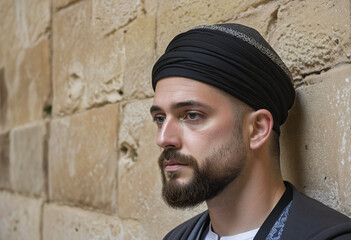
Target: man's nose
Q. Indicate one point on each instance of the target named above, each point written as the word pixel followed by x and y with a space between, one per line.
pixel 169 135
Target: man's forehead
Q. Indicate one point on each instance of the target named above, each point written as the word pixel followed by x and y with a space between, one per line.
pixel 173 86
pixel 176 92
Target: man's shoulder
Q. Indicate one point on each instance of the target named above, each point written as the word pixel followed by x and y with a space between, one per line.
pixel 183 230
pixel 310 219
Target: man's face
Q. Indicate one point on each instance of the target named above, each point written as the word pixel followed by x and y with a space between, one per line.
pixel 200 131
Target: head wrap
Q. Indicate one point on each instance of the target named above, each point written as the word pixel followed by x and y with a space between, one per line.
pixel 235 59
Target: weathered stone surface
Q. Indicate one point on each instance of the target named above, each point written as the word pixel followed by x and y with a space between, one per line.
pixel 316 147
pixel 4 161
pixel 262 18
pixel 83 158
pixel 88 65
pixel 60 4
pixel 177 16
pixel 313 35
pixel 140 57
pixel 139 181
pixel 34 75
pixel 29 92
pixel 24 60
pixel 19 217
pixel 3 99
pixel 28 159
pixel 22 24
pixel 60 222
pixel 150 6
pixel 110 15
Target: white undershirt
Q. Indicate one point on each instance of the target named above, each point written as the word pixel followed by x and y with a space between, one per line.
pixel 249 235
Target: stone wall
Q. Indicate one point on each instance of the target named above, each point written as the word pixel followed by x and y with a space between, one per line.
pixel 77 144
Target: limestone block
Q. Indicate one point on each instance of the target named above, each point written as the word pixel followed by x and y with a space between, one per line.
pixel 23 26
pixel 62 222
pixel 61 4
pixel 110 15
pixel 3 100
pixel 178 16
pixel 313 35
pixel 316 143
pixel 150 6
pixel 83 158
pixel 262 18
pixel 28 159
pixel 4 161
pixel 139 181
pixel 28 93
pixel 20 217
pixel 88 65
pixel 140 57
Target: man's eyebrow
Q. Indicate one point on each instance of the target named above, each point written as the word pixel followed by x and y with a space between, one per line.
pixel 178 105
pixel 189 103
pixel 155 108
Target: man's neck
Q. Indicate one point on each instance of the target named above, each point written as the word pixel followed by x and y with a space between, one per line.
pixel 245 203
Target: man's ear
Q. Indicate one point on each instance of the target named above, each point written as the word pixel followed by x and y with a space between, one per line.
pixel 261 124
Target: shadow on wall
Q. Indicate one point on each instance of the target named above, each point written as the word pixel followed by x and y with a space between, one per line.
pixel 291 141
pixel 3 98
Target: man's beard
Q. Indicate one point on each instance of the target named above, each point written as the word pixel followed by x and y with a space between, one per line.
pixel 219 168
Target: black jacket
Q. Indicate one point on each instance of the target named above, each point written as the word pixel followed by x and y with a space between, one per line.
pixel 308 220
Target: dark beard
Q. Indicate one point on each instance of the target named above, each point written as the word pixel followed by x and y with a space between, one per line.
pixel 206 182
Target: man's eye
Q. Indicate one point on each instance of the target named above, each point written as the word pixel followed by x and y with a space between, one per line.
pixel 159 119
pixel 192 116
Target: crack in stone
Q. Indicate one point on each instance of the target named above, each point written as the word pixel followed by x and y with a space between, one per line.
pixel 74 2
pixel 302 83
pixel 259 4
pixel 46 160
pixel 115 30
pixel 41 225
pixel 272 22
pixel 156 28
pixel 3 98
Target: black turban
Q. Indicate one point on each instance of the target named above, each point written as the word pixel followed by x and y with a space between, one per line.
pixel 235 59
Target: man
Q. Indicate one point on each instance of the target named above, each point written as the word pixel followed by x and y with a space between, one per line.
pixel 221 94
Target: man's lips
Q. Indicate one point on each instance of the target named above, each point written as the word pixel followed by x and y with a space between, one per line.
pixel 173 165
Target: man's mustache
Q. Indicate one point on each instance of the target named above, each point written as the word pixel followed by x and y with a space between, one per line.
pixel 173 154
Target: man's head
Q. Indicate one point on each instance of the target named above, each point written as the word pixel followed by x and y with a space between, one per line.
pixel 219 91
pixel 200 130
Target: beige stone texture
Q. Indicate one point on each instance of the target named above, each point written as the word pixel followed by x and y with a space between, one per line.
pixel 316 147
pixel 83 158
pixel 23 24
pixel 263 18
pixel 150 6
pixel 4 161
pixel 24 61
pixel 62 222
pixel 110 15
pixel 29 93
pixel 88 65
pixel 28 159
pixel 61 4
pixel 20 217
pixel 139 181
pixel 177 16
pixel 140 57
pixel 3 100
pixel 313 35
